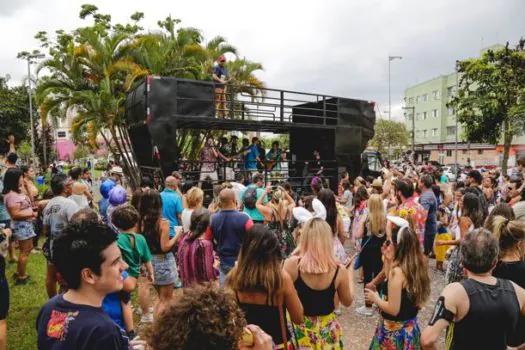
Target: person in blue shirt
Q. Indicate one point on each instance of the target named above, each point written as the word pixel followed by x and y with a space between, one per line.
pixel 220 78
pixel 254 214
pixel 251 157
pixel 172 203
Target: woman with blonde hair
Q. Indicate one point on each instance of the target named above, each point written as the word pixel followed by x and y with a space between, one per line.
pixel 264 291
pixel 194 200
pixel 372 232
pixel 406 289
pixel 511 263
pixel 277 215
pixel 318 278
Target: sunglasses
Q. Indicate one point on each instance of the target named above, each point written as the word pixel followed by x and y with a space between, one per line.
pixel 387 243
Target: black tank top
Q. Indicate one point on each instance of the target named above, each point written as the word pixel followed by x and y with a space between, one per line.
pixel 408 309
pixel 493 314
pixel 316 302
pixel 266 317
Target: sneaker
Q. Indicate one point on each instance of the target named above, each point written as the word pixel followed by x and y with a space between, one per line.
pixel 147 318
pixel 365 311
pixel 338 311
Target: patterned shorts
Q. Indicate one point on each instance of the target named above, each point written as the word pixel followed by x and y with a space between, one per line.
pixel 22 230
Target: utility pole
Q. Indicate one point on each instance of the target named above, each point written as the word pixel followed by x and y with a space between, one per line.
pixel 29 57
pixel 413 129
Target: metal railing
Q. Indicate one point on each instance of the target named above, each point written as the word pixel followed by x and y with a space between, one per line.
pixel 216 172
pixel 260 104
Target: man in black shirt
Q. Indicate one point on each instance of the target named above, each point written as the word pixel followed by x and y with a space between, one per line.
pixel 88 258
pixel 482 311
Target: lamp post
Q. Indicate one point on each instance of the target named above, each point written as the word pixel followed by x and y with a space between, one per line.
pixel 390 59
pixel 29 57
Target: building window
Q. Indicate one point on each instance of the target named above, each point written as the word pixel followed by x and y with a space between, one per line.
pixel 410 100
pixel 451 130
pixel 435 132
pixel 435 113
pixel 424 115
pixel 424 98
pixel 424 133
pixel 418 98
pixel 436 95
pixel 451 111
pixel 61 134
pixel 449 153
pixel 480 151
pixel 451 90
pixel 418 116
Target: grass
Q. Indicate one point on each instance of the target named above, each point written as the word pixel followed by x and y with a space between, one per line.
pixel 25 303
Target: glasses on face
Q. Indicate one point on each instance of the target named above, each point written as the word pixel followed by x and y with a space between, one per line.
pixel 387 243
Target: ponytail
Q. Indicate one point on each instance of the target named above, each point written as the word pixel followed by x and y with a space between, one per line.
pixel 509 233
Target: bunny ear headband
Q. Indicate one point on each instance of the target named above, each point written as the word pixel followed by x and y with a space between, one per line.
pixel 399 222
pixel 302 215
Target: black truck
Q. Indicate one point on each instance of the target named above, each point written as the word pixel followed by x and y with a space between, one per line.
pixel 158 108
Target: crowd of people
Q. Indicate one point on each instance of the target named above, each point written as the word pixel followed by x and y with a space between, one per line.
pixel 262 267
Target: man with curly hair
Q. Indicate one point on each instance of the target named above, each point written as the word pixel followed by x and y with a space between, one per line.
pixel 206 318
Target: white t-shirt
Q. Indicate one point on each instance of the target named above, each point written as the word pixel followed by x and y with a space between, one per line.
pixel 238 189
pixel 57 214
pixel 186 219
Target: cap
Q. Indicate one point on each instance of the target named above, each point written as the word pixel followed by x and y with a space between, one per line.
pixel 116 170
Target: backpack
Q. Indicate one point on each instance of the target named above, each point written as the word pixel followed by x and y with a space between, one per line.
pixel 250 197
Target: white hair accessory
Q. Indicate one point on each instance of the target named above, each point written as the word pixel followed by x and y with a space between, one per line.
pixel 399 222
pixel 302 215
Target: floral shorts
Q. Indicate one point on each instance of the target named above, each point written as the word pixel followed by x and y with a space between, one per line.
pixel 22 230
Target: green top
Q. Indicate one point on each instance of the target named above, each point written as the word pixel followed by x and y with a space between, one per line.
pixel 134 251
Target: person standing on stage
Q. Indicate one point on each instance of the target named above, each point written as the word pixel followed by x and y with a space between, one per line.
pixel 220 78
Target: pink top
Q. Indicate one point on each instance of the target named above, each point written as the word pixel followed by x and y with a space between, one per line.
pixel 12 199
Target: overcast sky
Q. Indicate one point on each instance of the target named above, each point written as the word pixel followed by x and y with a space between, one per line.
pixel 332 47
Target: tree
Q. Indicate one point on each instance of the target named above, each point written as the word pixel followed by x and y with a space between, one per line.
pixel 92 68
pixel 490 103
pixel 389 133
pixel 40 134
pixel 14 111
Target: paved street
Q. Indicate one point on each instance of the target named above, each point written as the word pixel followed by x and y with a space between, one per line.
pixel 358 330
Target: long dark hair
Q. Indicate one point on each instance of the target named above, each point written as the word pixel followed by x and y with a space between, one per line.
pixel 410 259
pixel 326 196
pixel 472 209
pixel 11 179
pixel 259 266
pixel 200 220
pixel 150 211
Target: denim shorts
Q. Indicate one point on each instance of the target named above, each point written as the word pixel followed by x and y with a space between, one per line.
pixel 164 269
pixel 23 230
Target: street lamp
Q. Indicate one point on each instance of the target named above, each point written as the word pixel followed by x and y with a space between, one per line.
pixel 390 59
pixel 29 57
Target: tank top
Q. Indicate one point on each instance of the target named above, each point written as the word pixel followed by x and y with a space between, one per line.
pixel 492 316
pixel 408 309
pixel 316 302
pixel 265 316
